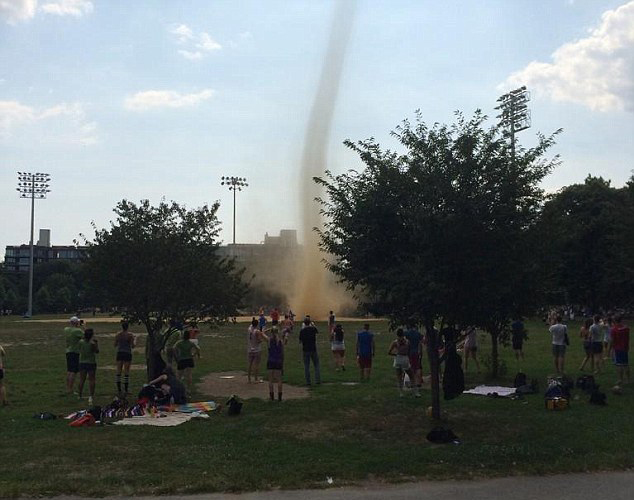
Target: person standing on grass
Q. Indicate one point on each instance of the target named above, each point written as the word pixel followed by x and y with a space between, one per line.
pixel 596 338
pixel 584 335
pixel 124 342
pixel 621 345
pixel 262 320
pixel 275 364
pixel 88 350
pixel 338 347
pixel 185 351
pixel 365 351
pixel 254 350
pixel 308 339
pixel 471 348
pixel 415 340
pixel 332 320
pixel 3 390
pixel 559 333
pixel 399 348
pixel 518 335
pixel 73 334
pixel 275 316
pixel 607 337
pixel 287 328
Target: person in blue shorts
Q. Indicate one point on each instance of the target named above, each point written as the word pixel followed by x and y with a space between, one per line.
pixel 365 351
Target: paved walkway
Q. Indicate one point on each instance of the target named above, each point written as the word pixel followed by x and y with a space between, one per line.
pixel 611 485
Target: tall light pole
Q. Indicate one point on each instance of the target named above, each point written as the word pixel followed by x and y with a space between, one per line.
pixel 234 184
pixel 32 186
pixel 515 115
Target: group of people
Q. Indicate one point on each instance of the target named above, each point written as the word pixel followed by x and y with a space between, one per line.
pixel 407 350
pixel 603 339
pixel 82 349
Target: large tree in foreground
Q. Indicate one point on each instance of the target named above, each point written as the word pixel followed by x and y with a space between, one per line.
pixel 438 233
pixel 159 263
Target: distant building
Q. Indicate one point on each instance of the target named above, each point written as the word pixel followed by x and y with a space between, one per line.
pixel 272 262
pixel 16 258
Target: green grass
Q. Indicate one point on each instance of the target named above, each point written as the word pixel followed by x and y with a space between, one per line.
pixel 349 433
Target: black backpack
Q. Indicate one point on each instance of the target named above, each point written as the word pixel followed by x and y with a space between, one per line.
pixel 520 380
pixel 440 435
pixel 597 398
pixel 235 406
pixel 586 383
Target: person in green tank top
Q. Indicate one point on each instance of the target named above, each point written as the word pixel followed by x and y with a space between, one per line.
pixel 73 335
pixel 185 350
pixel 88 349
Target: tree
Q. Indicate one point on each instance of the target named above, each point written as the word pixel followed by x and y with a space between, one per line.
pixel 587 248
pixel 436 234
pixel 159 263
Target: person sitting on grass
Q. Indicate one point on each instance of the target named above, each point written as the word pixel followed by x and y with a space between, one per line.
pixel 185 350
pixel 275 364
pixel 3 390
pixel 173 391
pixel 88 349
pixel 399 348
pixel 124 343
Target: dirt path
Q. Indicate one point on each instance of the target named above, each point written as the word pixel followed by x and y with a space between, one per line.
pixel 224 384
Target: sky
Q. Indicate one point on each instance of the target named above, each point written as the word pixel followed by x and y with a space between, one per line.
pixel 159 99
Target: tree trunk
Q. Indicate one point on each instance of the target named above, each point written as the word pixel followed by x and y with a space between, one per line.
pixel 154 360
pixel 434 368
pixel 494 355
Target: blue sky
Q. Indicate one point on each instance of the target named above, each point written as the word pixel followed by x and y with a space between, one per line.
pixel 152 99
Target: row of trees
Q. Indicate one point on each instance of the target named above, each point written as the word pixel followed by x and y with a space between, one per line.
pixel 455 231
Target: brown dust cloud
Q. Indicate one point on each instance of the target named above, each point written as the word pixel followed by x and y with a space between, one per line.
pixel 317 291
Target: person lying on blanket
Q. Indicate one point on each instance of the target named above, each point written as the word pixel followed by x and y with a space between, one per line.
pixel 172 388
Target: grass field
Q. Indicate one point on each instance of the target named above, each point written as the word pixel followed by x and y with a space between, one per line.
pixel 351 433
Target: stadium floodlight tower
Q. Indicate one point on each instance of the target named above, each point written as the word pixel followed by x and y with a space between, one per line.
pixel 515 115
pixel 33 186
pixel 234 184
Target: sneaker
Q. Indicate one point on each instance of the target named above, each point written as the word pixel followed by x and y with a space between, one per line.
pixel 89 400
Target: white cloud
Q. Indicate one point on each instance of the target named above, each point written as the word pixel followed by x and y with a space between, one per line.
pixel 75 8
pixel 596 71
pixel 156 99
pixel 196 44
pixel 14 11
pixel 192 56
pixel 14 114
pixel 206 43
pixel 182 32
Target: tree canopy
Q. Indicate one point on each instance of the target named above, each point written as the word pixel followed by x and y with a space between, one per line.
pixel 439 232
pixel 159 263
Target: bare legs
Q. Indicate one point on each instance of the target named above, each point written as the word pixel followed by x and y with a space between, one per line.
pixel 275 376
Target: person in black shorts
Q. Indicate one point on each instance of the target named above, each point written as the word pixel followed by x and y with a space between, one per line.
pixel 124 343
pixel 88 349
pixel 518 335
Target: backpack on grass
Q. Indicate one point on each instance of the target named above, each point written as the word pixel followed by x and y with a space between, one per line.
pixel 520 380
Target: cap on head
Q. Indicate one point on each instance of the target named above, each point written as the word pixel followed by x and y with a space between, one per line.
pixel 74 319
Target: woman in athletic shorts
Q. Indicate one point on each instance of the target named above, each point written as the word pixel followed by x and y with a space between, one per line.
pixel 88 349
pixel 275 364
pixel 399 348
pixel 471 347
pixel 584 334
pixel 185 350
pixel 254 350
pixel 124 343
pixel 338 347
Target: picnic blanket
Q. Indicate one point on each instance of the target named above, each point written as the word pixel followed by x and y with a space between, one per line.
pixel 201 406
pixel 161 419
pixel 486 390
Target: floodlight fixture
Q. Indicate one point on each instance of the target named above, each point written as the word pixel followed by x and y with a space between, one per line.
pixel 234 184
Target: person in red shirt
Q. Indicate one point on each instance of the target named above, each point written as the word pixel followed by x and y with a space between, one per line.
pixel 275 316
pixel 621 344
